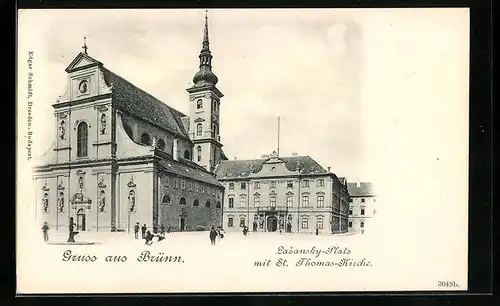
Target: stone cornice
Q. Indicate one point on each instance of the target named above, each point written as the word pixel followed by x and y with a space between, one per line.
pixel 81 101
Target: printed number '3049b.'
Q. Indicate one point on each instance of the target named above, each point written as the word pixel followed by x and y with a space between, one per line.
pixel 449 284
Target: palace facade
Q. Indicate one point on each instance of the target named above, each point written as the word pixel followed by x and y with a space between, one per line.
pixel 294 194
pixel 122 156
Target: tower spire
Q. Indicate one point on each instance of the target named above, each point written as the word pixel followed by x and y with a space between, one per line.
pixel 205 76
pixel 205 34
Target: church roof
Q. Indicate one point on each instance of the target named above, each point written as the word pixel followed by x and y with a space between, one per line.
pixel 137 102
pixel 189 170
pixel 365 189
pixel 235 168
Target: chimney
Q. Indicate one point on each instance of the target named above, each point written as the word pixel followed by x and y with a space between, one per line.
pixel 329 168
pixel 358 184
pixel 175 150
pixel 235 158
pixel 294 154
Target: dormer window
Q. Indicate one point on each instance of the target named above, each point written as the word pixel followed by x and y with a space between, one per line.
pixel 146 139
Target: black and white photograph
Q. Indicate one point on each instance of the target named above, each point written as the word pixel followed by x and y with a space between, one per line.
pixel 242 150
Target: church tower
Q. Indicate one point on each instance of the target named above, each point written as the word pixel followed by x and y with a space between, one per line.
pixel 204 104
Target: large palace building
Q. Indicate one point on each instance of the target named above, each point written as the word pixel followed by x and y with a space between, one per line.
pixel 294 194
pixel 122 156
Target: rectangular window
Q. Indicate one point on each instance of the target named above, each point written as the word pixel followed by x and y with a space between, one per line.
pixel 256 201
pixel 289 184
pixel 272 201
pixel 305 222
pixel 362 224
pixel 272 184
pixel 350 200
pixel 256 185
pixel 231 202
pixel 289 201
pixel 176 183
pixel 362 211
pixel 320 183
pixel 305 201
pixel 243 200
pixel 350 223
pixel 350 211
pixel 166 181
pixel 362 200
pixel 242 222
pixel 231 185
pixel 319 223
pixel 321 201
pixel 183 184
pixel 243 185
pixel 196 187
pixel 229 222
pixel 305 183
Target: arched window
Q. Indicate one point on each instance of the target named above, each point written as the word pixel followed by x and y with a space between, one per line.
pixel 196 203
pixel 128 130
pixel 198 129
pixel 161 144
pixel 207 204
pixel 166 200
pixel 82 139
pixel 182 201
pixel 198 152
pixel 218 205
pixel 199 104
pixel 230 222
pixel 146 139
pixel 187 154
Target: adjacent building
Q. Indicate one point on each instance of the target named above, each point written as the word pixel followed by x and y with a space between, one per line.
pixel 122 156
pixel 362 205
pixel 294 194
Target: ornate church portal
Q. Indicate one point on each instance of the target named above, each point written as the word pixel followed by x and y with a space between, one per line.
pixel 81 204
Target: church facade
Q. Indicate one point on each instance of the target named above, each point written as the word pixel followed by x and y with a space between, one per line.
pixel 294 194
pixel 122 156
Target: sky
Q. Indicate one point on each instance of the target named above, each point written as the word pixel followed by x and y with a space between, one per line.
pixel 330 75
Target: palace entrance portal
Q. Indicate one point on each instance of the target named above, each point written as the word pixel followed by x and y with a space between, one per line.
pixel 272 223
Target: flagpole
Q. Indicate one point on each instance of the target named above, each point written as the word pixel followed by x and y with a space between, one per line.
pixel 278 153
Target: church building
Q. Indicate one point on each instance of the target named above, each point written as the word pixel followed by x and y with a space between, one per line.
pixel 122 156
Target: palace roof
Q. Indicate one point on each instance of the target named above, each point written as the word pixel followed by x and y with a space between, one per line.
pixel 243 168
pixel 190 170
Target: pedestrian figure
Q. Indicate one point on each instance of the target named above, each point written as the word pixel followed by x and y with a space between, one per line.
pixel 72 233
pixel 317 231
pixel 213 235
pixel 149 238
pixel 143 230
pixel 155 229
pixel 162 229
pixel 168 229
pixel 45 229
pixel 245 230
pixel 136 230
pixel 362 231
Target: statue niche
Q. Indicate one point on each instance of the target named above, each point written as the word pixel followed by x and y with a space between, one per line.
pixel 131 201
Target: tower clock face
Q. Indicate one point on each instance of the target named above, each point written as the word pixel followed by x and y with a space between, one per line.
pixel 84 86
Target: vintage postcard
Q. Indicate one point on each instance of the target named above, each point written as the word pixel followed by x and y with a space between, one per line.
pixel 283 150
